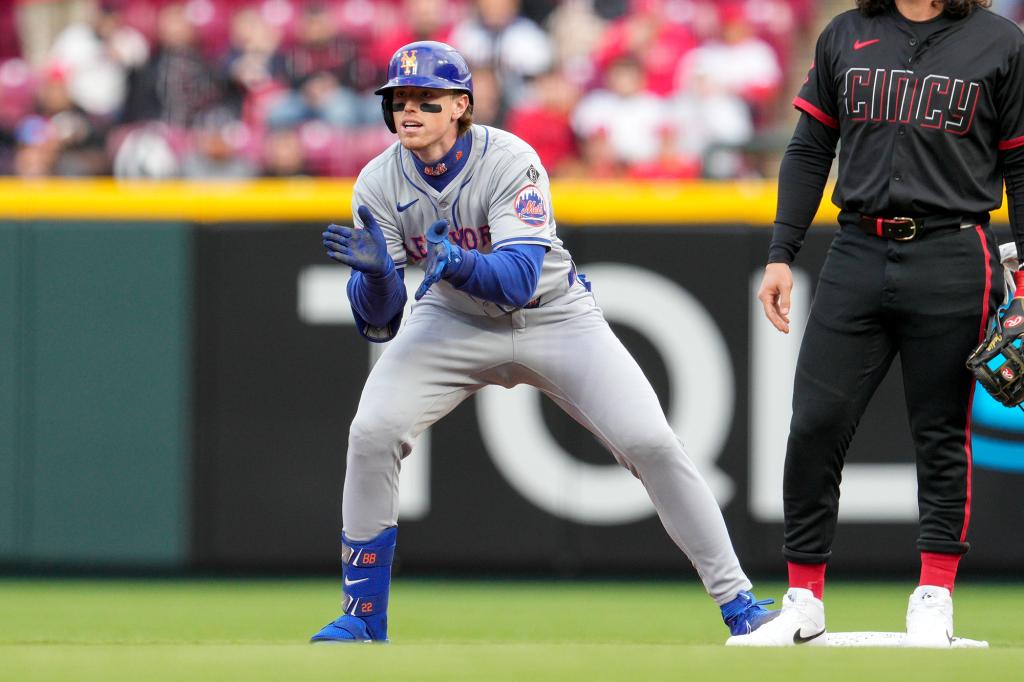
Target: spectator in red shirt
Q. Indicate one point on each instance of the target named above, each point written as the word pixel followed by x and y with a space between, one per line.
pixel 420 20
pixel 645 35
pixel 542 120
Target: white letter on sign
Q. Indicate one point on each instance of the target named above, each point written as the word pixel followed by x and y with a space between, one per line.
pixel 701 378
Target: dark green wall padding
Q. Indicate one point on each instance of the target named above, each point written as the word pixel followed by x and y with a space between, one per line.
pixel 95 339
pixel 9 387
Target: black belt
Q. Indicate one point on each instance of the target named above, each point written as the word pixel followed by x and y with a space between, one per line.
pixel 906 229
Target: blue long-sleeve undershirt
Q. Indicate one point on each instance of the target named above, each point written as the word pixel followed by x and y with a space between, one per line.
pixel 509 276
pixel 377 299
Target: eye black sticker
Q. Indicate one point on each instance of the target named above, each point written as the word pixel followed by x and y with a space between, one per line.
pixel 426 107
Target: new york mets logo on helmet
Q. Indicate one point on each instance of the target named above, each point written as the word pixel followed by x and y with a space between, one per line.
pixel 409 62
pixel 529 205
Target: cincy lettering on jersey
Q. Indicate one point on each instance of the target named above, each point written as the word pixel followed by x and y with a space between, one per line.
pixel 466 237
pixel 900 96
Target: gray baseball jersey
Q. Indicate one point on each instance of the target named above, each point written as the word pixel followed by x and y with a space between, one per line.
pixel 500 197
pixel 453 344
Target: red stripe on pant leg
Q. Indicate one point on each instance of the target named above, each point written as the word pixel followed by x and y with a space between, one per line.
pixel 970 456
pixel 974 384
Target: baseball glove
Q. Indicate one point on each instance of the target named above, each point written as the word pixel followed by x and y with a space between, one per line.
pixel 998 362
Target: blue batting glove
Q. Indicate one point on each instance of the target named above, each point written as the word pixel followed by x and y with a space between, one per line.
pixel 441 254
pixel 364 250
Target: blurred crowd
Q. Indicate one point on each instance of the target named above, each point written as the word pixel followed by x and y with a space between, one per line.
pixel 245 88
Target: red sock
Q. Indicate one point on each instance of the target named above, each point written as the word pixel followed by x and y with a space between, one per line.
pixel 939 569
pixel 808 576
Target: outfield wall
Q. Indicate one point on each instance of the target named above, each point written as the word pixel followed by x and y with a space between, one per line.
pixel 178 368
pixel 94 392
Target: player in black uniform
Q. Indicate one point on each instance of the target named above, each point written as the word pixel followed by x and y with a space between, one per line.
pixel 928 101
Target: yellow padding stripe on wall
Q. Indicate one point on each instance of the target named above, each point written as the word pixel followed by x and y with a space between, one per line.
pixel 321 200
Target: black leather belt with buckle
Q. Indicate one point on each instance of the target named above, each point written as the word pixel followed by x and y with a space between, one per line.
pixel 906 229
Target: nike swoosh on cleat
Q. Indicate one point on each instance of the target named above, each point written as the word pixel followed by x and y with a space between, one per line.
pixel 402 207
pixel 354 582
pixel 859 44
pixel 797 639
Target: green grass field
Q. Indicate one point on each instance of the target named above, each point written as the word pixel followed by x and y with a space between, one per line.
pixel 466 630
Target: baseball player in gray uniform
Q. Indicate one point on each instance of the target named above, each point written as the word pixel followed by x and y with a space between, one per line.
pixel 501 303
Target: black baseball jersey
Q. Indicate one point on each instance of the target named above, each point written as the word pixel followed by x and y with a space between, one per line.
pixel 922 112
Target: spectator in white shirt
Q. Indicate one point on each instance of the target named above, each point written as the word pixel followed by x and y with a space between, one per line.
pixel 631 116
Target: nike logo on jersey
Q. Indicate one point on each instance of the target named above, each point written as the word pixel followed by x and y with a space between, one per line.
pixel 402 207
pixel 861 44
pixel 349 583
pixel 798 639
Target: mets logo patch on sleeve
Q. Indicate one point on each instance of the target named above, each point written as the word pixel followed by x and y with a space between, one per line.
pixel 530 208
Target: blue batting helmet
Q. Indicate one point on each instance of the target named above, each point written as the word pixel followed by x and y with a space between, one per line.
pixel 425 64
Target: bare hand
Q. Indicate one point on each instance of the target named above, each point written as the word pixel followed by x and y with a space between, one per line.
pixel 774 294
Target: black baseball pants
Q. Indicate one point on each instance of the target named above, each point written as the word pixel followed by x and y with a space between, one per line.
pixel 927 301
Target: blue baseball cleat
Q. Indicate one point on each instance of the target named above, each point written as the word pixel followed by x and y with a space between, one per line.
pixel 345 629
pixel 744 614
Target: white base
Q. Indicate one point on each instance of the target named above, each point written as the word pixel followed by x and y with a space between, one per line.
pixel 891 640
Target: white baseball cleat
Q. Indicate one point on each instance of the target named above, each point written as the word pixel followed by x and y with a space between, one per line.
pixel 801 621
pixel 930 618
